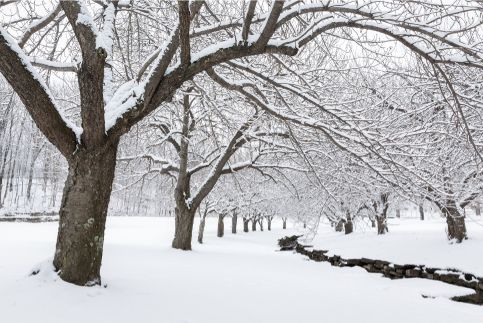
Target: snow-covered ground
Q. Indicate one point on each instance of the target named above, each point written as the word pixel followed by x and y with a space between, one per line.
pixel 240 278
pixel 409 241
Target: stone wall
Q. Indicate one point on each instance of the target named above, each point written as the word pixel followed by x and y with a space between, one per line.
pixel 393 271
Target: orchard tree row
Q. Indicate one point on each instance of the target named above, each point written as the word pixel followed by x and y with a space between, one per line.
pixel 337 105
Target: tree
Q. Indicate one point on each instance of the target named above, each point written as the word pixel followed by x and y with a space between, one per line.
pixel 105 115
pixel 204 212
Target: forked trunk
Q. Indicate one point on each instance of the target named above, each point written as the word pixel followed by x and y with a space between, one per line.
pixel 245 225
pixel 221 226
pixel 201 230
pixel 183 223
pixel 284 224
pixel 83 212
pixel 234 220
pixel 254 225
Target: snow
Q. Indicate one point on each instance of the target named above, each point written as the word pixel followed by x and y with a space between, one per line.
pixel 105 37
pixel 85 18
pixel 240 278
pixel 409 241
pixel 124 3
pixel 54 64
pixel 124 99
pixel 211 49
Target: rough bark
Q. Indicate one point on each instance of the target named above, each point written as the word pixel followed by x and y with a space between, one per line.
pixel 83 214
pixel 221 226
pixel 254 225
pixel 381 222
pixel 456 223
pixel 260 223
pixel 184 219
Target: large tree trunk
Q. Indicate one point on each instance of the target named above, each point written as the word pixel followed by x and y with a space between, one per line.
pixel 456 223
pixel 381 225
pixel 269 224
pixel 284 224
pixel 348 226
pixel 184 218
pixel 421 212
pixel 260 222
pixel 246 222
pixel 234 220
pixel 83 212
pixel 221 226
pixel 254 225
pixel 201 229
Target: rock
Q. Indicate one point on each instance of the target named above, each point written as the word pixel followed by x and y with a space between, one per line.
pixel 380 264
pixel 353 262
pixel 318 255
pixel 413 273
pixel 288 243
pixel 367 261
pixel 469 277
pixel 404 267
pixel 449 278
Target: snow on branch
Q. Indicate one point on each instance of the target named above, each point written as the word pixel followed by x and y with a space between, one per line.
pixel 37 78
pixel 53 65
pixel 105 36
pixel 84 17
pixel 38 24
pixel 334 135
